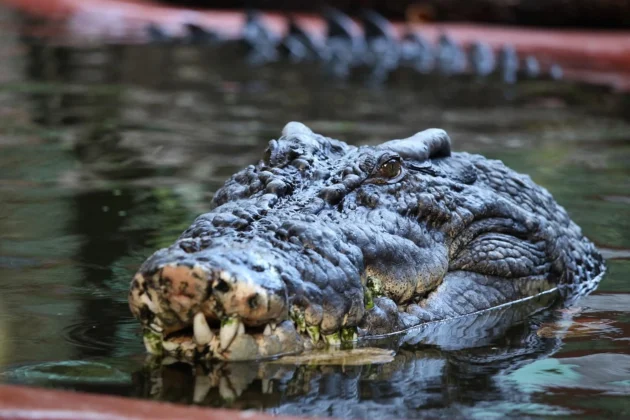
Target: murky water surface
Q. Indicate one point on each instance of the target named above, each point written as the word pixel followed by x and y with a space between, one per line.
pixel 107 153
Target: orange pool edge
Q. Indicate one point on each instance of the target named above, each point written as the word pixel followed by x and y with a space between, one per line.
pixel 597 57
pixel 19 402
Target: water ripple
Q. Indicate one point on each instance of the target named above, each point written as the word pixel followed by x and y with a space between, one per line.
pixel 70 371
pixel 91 335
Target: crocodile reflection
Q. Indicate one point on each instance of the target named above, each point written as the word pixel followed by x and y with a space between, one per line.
pixel 432 367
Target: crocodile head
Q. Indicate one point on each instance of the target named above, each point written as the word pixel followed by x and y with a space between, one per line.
pixel 321 243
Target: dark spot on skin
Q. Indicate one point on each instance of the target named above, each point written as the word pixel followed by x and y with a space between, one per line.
pixel 146 315
pixel 164 281
pixel 183 286
pixel 252 302
pixel 372 200
pixel 221 286
pixel 208 291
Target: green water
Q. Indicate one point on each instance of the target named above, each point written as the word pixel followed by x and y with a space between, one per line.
pixel 108 153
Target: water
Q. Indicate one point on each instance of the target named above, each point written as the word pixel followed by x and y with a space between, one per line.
pixel 108 153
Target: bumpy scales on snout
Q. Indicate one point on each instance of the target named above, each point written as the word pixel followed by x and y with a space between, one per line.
pixel 322 243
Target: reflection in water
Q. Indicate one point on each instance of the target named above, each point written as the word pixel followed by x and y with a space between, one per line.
pixel 495 363
pixel 108 152
pixel 460 370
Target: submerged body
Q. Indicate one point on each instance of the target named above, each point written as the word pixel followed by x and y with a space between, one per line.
pixel 322 243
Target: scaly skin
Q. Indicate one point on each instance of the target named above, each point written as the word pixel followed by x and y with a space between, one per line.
pixel 321 243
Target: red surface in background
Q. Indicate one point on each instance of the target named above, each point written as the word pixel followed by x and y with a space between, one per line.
pixel 601 57
pixel 17 403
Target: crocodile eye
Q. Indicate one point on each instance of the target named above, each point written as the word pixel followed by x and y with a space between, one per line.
pixel 390 169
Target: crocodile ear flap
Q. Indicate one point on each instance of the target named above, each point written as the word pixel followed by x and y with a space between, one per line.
pixel 428 144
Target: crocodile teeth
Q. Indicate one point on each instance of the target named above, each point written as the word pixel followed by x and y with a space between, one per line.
pixel 170 346
pixel 147 301
pixel 313 332
pixel 267 330
pixel 156 328
pixel 203 334
pixel 229 330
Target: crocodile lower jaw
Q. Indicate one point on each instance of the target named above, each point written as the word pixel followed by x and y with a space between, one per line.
pixel 231 341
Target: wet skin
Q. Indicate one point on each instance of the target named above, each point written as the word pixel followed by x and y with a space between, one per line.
pixel 323 243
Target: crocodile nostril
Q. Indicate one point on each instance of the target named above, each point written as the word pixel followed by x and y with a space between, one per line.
pixel 222 286
pixel 252 301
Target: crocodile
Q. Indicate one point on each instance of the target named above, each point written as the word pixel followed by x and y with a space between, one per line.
pixel 371 42
pixel 347 46
pixel 325 244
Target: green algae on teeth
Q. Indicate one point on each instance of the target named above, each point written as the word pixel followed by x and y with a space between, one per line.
pixel 333 339
pixel 349 334
pixel 297 316
pixel 230 328
pixel 313 332
pixel 153 342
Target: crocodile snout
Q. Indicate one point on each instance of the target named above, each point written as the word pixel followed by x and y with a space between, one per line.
pixel 212 301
